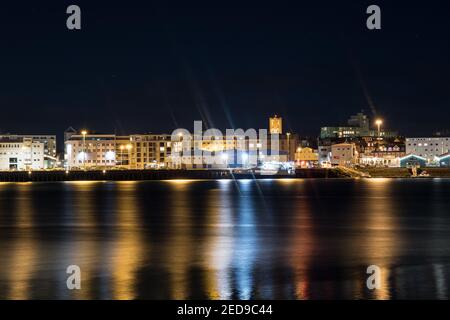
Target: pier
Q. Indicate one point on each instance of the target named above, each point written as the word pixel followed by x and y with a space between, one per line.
pixel 121 175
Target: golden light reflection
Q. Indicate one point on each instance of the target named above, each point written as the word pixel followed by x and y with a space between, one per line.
pixel 218 248
pixel 21 267
pixel 85 251
pixel 24 206
pixel 182 181
pixel 289 181
pixel 82 182
pixel 181 242
pixel 128 252
pixel 382 242
pixel 302 246
pixel 24 257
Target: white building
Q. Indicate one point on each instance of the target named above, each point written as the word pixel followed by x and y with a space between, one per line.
pixel 21 154
pixel 96 151
pixel 107 151
pixel 49 141
pixel 324 155
pixel 429 148
pixel 343 154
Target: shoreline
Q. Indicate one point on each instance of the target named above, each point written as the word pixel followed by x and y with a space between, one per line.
pixel 140 175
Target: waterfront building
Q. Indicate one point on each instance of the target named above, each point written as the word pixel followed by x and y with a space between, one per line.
pixel 21 153
pixel 344 154
pixel 150 151
pixel 108 151
pixel 223 152
pixel 287 142
pixel 49 142
pixel 413 161
pixel 357 126
pixel 324 152
pixel 95 151
pixel 430 148
pixel 306 158
pixel 381 151
pixel 275 125
pixel 444 160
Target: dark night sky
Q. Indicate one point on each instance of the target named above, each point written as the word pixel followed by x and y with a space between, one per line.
pixel 154 66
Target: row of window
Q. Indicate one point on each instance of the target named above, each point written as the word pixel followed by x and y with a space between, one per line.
pixel 15 160
pixel 96 161
pixel 426 144
pixel 426 139
pixel 343 149
pixel 16 153
pixel 15 146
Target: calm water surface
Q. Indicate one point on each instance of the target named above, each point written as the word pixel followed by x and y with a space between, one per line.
pixel 268 239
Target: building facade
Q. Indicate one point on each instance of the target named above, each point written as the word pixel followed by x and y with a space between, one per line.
pixel 430 148
pixel 357 126
pixel 413 161
pixel 344 154
pixel 306 158
pixel 150 151
pixel 444 161
pixel 275 125
pixel 49 142
pixel 108 151
pixel 380 151
pixel 95 151
pixel 21 153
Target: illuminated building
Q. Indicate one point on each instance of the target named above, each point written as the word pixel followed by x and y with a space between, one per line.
pixel 150 151
pixel 49 142
pixel 21 153
pixel 382 152
pixel 357 126
pixel 100 151
pixel 324 154
pixel 444 160
pixel 306 158
pixel 344 154
pixel 412 160
pixel 429 148
pixel 249 150
pixel 89 151
pixel 275 125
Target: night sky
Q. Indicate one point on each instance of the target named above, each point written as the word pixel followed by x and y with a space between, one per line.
pixel 154 66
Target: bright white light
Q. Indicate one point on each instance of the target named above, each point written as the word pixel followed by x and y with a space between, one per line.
pixel 224 156
pixel 244 156
pixel 82 156
pixel 110 155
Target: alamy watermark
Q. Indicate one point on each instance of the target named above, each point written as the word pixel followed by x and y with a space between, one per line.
pixel 374 280
pixel 73 282
pixel 235 147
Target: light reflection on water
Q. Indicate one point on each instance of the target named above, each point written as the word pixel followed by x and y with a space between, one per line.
pixel 267 239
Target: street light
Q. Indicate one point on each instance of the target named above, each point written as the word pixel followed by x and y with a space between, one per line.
pixel 379 122
pixel 288 134
pixel 84 133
